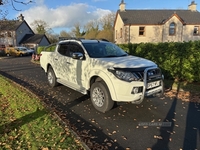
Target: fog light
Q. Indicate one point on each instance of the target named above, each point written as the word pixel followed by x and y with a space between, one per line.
pixel 135 90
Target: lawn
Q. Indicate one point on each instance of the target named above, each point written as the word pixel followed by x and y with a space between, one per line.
pixel 26 124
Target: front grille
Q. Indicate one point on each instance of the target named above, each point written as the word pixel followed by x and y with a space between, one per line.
pixel 140 75
pixel 152 74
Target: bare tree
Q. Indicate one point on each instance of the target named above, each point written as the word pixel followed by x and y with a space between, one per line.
pixel 106 34
pixel 64 34
pixel 107 21
pixel 92 25
pixel 76 31
pixel 103 28
pixel 40 27
pixel 53 38
pixel 13 2
pixel 4 12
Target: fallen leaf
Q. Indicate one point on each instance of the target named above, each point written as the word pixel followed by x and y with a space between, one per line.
pixel 114 132
pixel 157 137
pixel 125 138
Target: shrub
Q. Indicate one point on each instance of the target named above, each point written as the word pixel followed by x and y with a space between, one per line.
pixel 178 60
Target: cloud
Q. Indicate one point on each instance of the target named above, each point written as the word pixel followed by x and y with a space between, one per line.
pixel 63 16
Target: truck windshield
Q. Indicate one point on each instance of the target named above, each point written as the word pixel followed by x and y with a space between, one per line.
pixel 103 50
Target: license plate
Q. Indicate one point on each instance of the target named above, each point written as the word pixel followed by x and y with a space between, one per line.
pixel 153 84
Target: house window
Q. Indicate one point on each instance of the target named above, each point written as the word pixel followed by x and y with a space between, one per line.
pixel 121 33
pixel 172 28
pixel 9 34
pixel 196 30
pixel 116 34
pixel 141 31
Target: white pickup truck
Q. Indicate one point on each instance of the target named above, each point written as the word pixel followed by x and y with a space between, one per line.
pixel 103 70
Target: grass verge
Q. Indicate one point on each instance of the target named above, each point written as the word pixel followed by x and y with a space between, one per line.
pixel 26 124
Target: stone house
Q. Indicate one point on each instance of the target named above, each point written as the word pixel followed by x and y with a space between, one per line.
pixel 136 26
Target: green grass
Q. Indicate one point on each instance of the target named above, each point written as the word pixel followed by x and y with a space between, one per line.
pixel 26 124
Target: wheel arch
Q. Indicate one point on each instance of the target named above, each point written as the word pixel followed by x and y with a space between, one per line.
pixel 47 67
pixel 103 77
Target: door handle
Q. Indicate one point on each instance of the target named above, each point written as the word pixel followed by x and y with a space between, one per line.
pixel 55 58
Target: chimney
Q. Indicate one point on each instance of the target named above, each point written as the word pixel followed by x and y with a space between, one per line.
pixel 122 6
pixel 192 6
pixel 21 17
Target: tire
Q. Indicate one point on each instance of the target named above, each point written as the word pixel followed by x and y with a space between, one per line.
pixel 51 78
pixel 8 54
pixel 20 55
pixel 100 97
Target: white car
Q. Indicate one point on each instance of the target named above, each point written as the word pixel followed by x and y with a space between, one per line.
pixel 103 70
pixel 31 51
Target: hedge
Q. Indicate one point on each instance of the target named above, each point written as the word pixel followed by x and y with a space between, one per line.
pixel 40 48
pixel 178 60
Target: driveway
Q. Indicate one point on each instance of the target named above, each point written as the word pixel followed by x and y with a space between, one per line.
pixel 157 123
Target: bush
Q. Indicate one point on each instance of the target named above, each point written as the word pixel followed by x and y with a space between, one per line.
pixel 178 60
pixel 39 49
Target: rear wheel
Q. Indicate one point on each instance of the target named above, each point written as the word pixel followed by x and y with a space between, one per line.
pixel 7 54
pixel 100 97
pixel 51 78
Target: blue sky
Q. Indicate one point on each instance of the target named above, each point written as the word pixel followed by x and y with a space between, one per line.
pixel 63 14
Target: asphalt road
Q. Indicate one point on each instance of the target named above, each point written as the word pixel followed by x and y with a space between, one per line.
pixel 157 123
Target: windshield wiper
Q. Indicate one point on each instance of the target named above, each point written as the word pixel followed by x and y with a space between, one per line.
pixel 123 55
pixel 111 56
pixel 117 55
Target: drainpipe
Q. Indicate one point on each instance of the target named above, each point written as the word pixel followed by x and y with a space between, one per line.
pixel 182 32
pixel 163 33
pixel 129 33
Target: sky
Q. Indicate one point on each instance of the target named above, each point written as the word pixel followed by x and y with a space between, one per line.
pixel 64 14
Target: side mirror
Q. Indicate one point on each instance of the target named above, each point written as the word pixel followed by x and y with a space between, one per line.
pixel 77 55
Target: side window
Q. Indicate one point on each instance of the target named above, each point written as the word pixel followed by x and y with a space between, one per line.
pixel 64 49
pixel 75 48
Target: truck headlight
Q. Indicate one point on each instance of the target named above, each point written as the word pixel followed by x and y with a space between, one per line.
pixel 126 76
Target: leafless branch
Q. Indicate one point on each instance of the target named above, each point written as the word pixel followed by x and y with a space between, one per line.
pixel 16 1
pixel 25 3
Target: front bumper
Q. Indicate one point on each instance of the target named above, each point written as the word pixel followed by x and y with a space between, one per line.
pixel 124 90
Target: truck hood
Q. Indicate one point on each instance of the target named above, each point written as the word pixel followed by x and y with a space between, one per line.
pixel 126 62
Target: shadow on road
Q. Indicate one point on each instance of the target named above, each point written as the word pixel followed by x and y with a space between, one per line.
pixel 192 130
pixel 165 132
pixel 91 135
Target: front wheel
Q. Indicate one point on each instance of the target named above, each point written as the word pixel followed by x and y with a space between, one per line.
pixel 100 97
pixel 51 78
